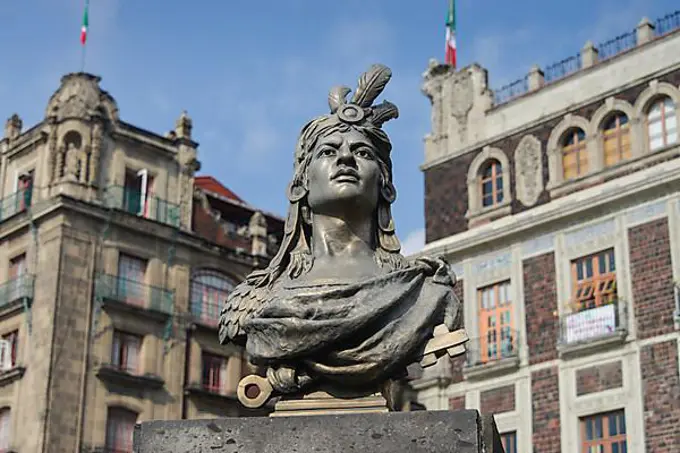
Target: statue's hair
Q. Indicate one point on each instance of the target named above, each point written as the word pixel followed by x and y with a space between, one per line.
pixel 295 256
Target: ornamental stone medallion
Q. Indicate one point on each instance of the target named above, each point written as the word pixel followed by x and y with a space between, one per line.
pixel 529 170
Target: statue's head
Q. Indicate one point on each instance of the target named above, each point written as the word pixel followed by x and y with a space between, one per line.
pixel 343 168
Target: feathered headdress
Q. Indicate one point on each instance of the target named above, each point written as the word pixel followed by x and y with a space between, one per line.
pixel 360 108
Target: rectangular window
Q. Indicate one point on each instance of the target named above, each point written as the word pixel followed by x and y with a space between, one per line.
pixel 509 441
pixel 496 322
pixel 5 439
pixel 17 285
pixel 604 433
pixel 8 351
pixel 137 192
pixel 131 279
pixel 125 352
pixel 214 373
pixel 594 280
pixel 120 425
pixel 24 190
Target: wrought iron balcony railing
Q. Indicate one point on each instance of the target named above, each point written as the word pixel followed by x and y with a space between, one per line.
pixel 134 293
pixel 150 207
pixel 493 347
pixel 594 324
pixel 15 203
pixel 19 288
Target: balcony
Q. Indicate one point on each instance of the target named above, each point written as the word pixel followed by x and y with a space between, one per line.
pixel 207 311
pixel 15 203
pixel 134 294
pixel 485 358
pixel 593 328
pixel 149 207
pixel 19 289
pixel 128 377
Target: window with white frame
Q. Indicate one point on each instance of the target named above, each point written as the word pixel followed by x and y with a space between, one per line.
pixel 662 123
pixel 8 351
pixel 137 192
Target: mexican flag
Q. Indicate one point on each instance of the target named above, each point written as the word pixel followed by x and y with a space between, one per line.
pixel 86 23
pixel 451 34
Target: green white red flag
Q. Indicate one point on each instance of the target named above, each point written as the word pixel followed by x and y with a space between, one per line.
pixel 86 23
pixel 451 34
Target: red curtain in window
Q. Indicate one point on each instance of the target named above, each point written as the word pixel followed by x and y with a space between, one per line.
pixel 119 430
pixel 131 274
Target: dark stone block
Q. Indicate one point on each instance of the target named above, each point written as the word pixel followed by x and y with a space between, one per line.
pixel 394 432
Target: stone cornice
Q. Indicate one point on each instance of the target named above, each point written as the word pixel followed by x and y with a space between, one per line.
pixel 573 205
pixel 544 119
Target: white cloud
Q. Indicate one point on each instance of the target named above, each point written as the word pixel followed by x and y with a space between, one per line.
pixel 414 242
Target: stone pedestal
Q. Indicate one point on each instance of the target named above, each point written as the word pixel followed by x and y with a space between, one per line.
pixel 394 432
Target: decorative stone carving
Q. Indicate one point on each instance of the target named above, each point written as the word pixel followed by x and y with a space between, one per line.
pixel 13 127
pixel 72 160
pixel 461 102
pixel 79 96
pixel 529 170
pixel 95 156
pixel 257 229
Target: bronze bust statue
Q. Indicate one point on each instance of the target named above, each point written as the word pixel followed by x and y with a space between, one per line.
pixel 339 308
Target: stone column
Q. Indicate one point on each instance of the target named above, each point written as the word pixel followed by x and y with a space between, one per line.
pixel 95 156
pixel 645 31
pixel 589 55
pixel 536 78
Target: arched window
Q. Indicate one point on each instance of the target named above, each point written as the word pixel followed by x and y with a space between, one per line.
pixel 616 138
pixel 491 182
pixel 209 290
pixel 662 123
pixel 574 154
pixel 120 424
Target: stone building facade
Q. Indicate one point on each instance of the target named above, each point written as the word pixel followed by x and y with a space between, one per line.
pixel 557 201
pixel 114 258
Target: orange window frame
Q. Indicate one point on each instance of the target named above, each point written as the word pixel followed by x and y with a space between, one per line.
pixel 616 141
pixel 595 284
pixel 574 156
pixel 496 321
pixel 600 432
pixel 496 174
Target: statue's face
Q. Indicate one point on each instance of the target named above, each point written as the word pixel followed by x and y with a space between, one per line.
pixel 343 175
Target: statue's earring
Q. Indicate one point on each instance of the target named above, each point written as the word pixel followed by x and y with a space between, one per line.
pixel 306 215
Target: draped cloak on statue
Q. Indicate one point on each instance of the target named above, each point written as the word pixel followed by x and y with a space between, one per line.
pixel 357 333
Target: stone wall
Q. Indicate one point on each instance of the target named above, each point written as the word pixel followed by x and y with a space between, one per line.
pixel 546 410
pixel 661 393
pixel 598 378
pixel 540 298
pixel 498 400
pixel 446 188
pixel 70 341
pixel 457 403
pixel 652 278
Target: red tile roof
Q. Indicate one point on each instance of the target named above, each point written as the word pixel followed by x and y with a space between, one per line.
pixel 210 184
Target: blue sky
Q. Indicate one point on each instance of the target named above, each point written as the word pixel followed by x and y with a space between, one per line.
pixel 251 73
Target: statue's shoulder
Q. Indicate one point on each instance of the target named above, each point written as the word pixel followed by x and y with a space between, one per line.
pixel 246 298
pixel 437 268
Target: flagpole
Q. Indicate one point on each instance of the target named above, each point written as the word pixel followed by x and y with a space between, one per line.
pixel 82 58
pixel 83 34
